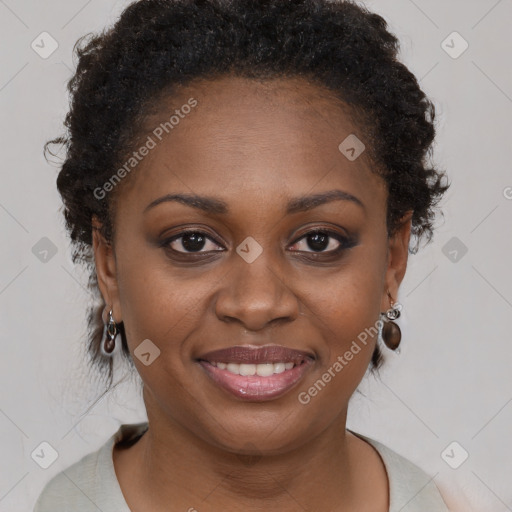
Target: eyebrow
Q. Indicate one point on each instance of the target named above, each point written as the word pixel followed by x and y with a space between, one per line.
pixel 295 205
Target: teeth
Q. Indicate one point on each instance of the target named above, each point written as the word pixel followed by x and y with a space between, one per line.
pixel 279 367
pixel 263 369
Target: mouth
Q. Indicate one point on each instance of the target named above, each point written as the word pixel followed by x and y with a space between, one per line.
pixel 256 373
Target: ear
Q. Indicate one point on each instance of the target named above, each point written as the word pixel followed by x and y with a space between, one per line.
pixel 398 252
pixel 105 262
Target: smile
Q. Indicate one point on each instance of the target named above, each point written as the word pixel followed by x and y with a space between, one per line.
pixel 256 373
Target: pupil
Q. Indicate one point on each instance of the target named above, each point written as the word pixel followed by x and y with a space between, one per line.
pixel 317 241
pixel 193 241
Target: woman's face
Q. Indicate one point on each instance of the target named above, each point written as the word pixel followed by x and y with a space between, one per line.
pixel 247 274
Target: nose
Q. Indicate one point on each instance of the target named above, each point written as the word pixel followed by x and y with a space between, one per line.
pixel 255 295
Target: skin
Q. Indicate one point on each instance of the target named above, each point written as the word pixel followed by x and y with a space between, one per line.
pixel 255 146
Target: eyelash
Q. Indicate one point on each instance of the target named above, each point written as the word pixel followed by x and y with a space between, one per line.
pixel 345 243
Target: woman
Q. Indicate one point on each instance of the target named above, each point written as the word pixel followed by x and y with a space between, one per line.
pixel 243 179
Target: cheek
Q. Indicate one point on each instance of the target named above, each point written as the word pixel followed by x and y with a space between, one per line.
pixel 157 302
pixel 349 331
pixel 345 309
pixel 162 308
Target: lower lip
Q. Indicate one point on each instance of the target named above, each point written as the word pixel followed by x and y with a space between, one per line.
pixel 254 387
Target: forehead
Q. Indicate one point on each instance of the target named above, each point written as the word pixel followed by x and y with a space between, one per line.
pixel 279 135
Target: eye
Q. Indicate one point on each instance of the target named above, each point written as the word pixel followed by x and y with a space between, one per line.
pixel 319 240
pixel 193 241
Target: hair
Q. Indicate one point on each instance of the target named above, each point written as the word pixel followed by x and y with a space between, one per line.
pixel 159 45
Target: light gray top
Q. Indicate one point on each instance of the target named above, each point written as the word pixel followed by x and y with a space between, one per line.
pixel 91 484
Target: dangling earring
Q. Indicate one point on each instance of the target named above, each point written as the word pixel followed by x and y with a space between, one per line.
pixel 391 333
pixel 111 331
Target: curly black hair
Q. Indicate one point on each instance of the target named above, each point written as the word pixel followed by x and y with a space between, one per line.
pixel 159 45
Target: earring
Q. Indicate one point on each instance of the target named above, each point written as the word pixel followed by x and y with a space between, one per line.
pixel 111 331
pixel 391 333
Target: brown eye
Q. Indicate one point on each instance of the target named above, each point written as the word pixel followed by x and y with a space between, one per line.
pixel 320 240
pixel 190 242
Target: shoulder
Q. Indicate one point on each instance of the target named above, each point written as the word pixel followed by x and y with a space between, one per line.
pixel 74 488
pixel 411 489
pixel 89 484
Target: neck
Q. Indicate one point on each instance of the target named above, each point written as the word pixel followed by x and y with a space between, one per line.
pixel 172 465
pixel 181 463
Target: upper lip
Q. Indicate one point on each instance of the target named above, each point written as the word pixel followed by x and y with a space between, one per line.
pixel 257 355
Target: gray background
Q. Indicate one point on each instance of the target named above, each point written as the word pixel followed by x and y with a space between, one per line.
pixel 452 380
